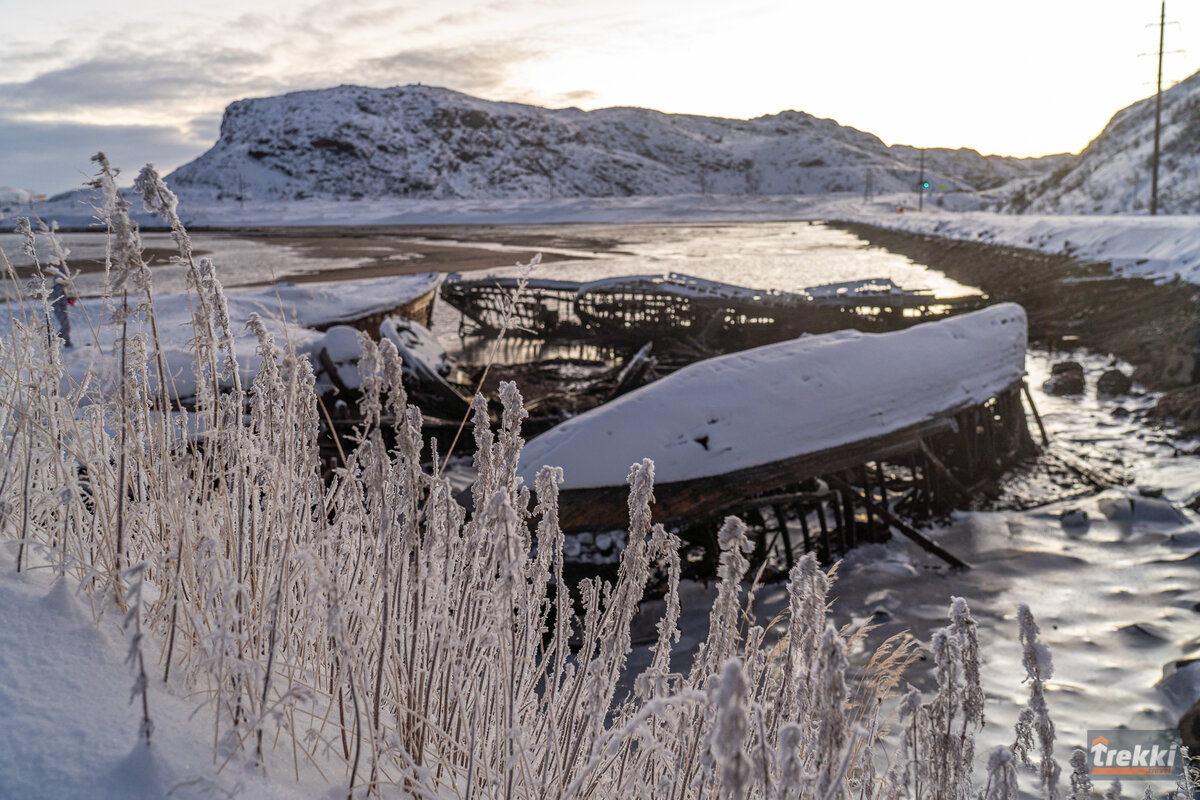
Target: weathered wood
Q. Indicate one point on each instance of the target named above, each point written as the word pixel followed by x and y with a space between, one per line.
pixel 603 508
pixel 912 533
pixel 1096 479
pixel 864 475
pixel 1036 416
pixel 331 371
pixel 781 519
pixel 848 515
pixel 943 470
pixel 883 496
pixel 839 520
pixel 827 554
pixel 802 513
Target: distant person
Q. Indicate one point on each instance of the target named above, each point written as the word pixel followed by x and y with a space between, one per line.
pixel 60 302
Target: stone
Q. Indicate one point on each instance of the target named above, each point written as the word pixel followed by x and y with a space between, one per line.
pixel 1066 378
pixel 1114 382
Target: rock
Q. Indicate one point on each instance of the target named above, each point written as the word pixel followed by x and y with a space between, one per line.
pixel 1189 728
pixel 1140 509
pixel 1114 382
pixel 1182 407
pixel 1074 518
pixel 1180 687
pixel 1066 377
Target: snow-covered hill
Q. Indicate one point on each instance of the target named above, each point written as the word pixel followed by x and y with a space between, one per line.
pixel 352 142
pixel 1112 175
pixel 16 200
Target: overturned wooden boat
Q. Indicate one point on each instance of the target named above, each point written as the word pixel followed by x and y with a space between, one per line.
pixel 799 417
pixel 361 304
pixel 637 308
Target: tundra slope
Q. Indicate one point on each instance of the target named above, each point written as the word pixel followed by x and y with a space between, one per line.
pixel 1113 173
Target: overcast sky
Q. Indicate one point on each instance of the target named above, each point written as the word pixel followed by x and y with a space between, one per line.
pixel 147 81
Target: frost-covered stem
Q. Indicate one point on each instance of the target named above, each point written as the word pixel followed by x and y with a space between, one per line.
pixel 729 733
pixel 507 322
pixel 175 583
pixel 1002 776
pixel 27 479
pixel 273 632
pixel 1039 668
pixel 133 617
pixel 1081 779
pixel 122 448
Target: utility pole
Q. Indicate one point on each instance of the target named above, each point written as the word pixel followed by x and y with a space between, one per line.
pixel 921 181
pixel 1162 27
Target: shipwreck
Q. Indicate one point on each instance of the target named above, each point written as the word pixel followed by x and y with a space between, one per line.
pixel 820 442
pixel 638 308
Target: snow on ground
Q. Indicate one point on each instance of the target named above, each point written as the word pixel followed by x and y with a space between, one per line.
pixel 783 400
pixel 71 211
pixel 1159 248
pixel 290 312
pixel 70 730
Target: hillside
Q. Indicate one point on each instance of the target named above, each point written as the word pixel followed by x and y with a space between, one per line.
pixel 1112 174
pixel 422 142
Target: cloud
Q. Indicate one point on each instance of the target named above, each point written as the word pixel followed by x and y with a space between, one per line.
pixel 54 157
pixel 133 79
pixel 572 98
pixel 480 68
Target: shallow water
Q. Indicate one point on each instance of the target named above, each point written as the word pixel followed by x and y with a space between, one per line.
pixel 770 255
pixel 1114 597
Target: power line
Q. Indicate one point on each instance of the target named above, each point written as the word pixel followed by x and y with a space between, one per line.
pixel 1162 28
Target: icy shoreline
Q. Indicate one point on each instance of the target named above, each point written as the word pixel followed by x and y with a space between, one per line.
pixel 1159 248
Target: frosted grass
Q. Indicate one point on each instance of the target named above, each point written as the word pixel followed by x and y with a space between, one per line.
pixel 367 629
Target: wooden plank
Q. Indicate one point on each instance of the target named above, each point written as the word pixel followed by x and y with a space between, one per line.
pixel 1036 416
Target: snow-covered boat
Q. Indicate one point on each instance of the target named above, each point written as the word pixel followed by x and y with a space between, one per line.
pixel 360 304
pixel 743 425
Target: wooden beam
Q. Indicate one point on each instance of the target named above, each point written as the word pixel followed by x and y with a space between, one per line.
pixel 912 533
pixel 1036 416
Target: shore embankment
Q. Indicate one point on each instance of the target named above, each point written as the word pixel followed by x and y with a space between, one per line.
pixel 1154 326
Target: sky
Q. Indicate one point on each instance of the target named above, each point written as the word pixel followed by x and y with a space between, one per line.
pixel 147 81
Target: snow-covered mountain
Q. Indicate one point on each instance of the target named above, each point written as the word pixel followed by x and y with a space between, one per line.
pixel 1113 173
pixel 423 142
pixel 12 196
